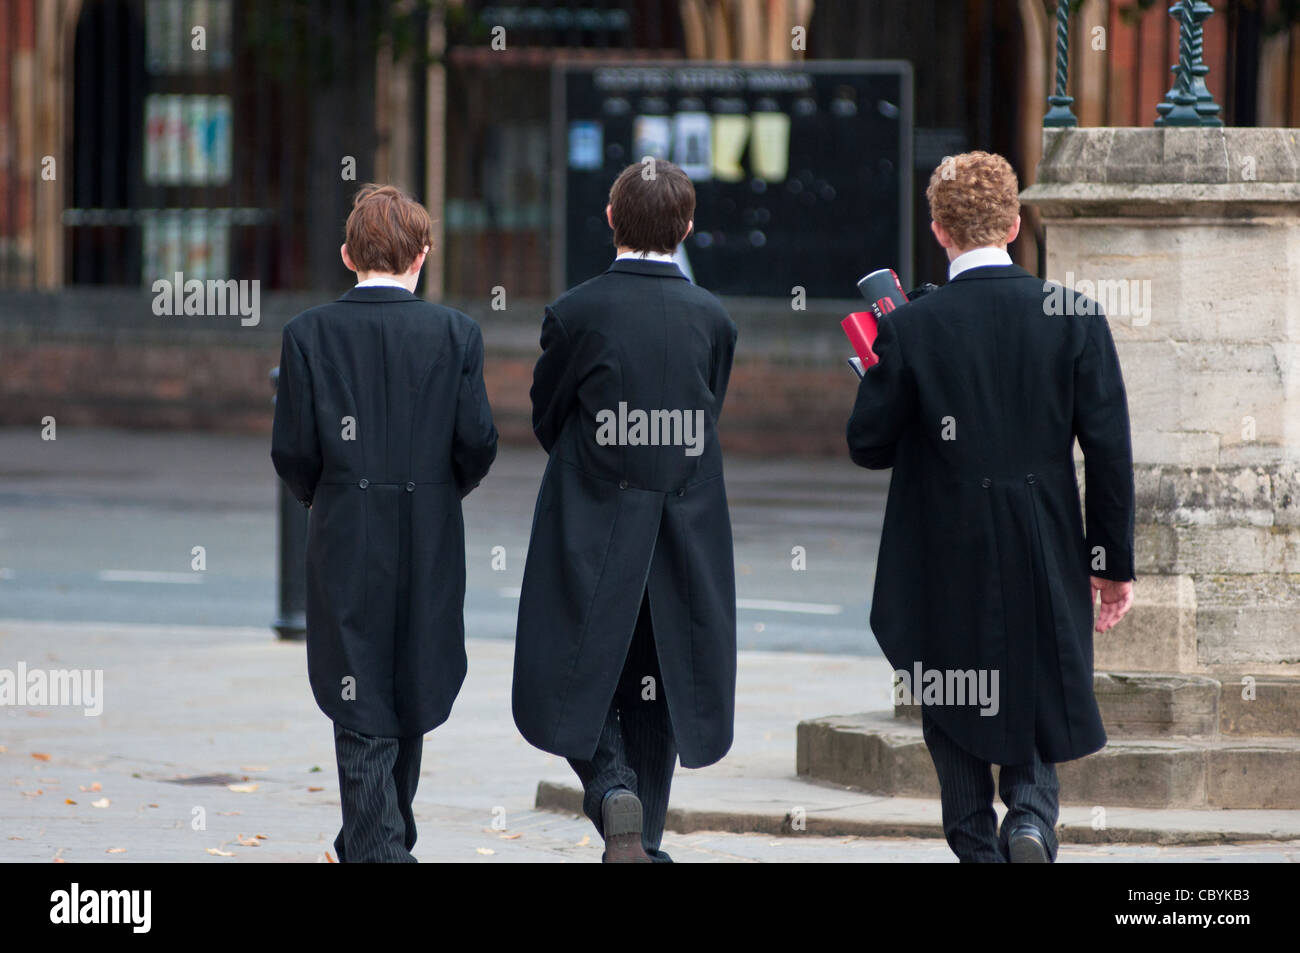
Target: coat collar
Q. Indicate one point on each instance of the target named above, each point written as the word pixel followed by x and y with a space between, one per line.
pixel 993 271
pixel 377 294
pixel 657 269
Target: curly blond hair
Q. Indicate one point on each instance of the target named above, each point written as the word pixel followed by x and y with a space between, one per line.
pixel 975 197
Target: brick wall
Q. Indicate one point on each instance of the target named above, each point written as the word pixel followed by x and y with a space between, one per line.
pixel 102 358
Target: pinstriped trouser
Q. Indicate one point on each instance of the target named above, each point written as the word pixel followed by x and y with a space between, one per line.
pixel 637 749
pixel 1030 792
pixel 377 782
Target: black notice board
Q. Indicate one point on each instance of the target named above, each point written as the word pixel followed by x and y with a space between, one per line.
pixel 802 172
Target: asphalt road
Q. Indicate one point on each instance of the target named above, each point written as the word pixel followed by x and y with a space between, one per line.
pixel 102 525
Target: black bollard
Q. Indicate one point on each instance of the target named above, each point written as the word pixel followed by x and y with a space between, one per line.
pixel 291 623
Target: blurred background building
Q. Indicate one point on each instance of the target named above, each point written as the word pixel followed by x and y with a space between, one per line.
pixel 133 146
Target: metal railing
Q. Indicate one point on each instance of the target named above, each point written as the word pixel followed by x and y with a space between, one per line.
pixel 1188 102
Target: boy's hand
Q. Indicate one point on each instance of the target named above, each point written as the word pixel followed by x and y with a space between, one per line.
pixel 1116 600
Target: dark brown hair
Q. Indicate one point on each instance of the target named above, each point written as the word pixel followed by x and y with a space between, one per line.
pixel 651 204
pixel 387 229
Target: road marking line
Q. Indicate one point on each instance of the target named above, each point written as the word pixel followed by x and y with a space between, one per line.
pixel 761 605
pixel 144 575
pixel 777 605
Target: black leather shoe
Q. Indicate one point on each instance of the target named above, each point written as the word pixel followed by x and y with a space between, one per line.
pixel 620 815
pixel 1026 846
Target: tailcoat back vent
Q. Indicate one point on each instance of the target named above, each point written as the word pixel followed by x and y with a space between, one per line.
pixel 615 521
pixel 382 426
pixel 981 390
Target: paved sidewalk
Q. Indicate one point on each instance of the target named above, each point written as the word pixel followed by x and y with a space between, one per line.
pixel 232 706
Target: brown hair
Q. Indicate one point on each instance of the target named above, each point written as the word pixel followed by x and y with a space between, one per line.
pixel 975 197
pixel 651 205
pixel 386 230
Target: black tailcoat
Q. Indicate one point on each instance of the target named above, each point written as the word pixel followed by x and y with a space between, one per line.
pixel 403 378
pixel 977 400
pixel 615 520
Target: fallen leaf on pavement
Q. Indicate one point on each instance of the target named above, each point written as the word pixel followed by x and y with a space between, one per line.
pixel 36 793
pixel 313 790
pixel 218 852
pixel 40 756
pixel 102 802
pixel 68 800
pixel 329 858
pixel 253 768
pixel 94 787
pixel 586 839
pixel 485 850
pixel 512 836
pixel 116 850
pixel 242 788
pixel 228 813
pixel 243 841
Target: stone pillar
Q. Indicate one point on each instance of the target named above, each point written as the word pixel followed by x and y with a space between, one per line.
pixel 1190 240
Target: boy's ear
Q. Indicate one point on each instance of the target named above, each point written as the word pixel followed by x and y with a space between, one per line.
pixel 690 227
pixel 940 235
pixel 419 262
pixel 609 215
pixel 1015 230
pixel 347 259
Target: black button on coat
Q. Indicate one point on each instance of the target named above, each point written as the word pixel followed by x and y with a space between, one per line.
pixel 981 390
pixel 382 424
pixel 611 521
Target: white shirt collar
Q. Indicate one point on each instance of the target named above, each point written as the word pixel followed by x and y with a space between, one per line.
pixel 376 282
pixel 977 258
pixel 645 256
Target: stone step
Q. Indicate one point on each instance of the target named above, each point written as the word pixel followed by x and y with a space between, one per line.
pixel 1144 705
pixel 880 754
pixel 783 806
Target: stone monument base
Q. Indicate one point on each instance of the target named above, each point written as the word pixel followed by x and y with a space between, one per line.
pixel 1175 741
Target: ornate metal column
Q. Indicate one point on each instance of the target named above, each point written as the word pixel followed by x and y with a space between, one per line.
pixel 1058 113
pixel 1205 104
pixel 1189 102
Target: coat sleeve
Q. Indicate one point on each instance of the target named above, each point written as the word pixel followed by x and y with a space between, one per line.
pixel 295 446
pixel 554 388
pixel 724 352
pixel 474 444
pixel 1101 424
pixel 885 403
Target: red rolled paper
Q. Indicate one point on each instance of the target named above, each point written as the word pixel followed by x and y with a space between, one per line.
pixel 860 326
